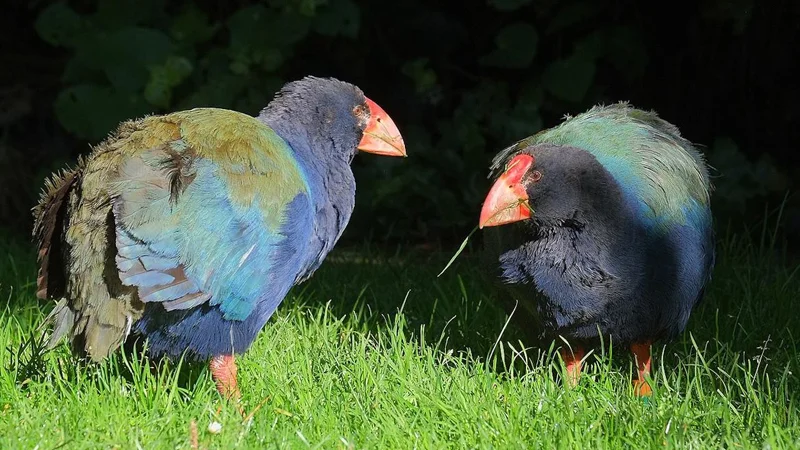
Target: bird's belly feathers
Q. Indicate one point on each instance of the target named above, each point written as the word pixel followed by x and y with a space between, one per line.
pixel 639 290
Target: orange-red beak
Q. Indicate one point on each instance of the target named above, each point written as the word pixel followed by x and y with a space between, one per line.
pixel 381 135
pixel 507 200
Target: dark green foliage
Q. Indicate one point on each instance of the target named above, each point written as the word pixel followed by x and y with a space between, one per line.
pixel 128 59
pixel 461 83
pixel 515 47
pixel 742 180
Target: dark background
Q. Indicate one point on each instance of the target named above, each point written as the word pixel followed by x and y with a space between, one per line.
pixel 461 80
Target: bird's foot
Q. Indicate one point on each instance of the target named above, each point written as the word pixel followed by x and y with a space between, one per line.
pixel 642 388
pixel 223 371
pixel 641 353
pixel 572 358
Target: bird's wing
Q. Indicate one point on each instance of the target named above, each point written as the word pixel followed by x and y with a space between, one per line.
pixel 647 156
pixel 216 214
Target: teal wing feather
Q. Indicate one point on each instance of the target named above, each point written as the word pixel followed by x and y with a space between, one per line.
pixel 647 156
pixel 199 225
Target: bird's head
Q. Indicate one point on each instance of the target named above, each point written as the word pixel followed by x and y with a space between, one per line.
pixel 340 113
pixel 380 135
pixel 547 182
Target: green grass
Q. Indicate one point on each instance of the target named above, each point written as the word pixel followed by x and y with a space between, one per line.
pixel 376 352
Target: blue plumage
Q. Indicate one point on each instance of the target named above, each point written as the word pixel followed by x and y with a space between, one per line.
pixel 615 240
pixel 209 330
pixel 190 228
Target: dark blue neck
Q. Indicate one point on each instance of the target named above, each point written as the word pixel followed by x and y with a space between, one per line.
pixel 330 179
pixel 327 166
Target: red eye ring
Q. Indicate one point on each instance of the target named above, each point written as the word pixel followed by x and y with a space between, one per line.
pixel 536 176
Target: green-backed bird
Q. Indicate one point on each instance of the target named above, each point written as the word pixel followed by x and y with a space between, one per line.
pixel 606 232
pixel 190 228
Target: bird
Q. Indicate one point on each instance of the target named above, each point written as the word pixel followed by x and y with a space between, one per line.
pixel 600 228
pixel 190 228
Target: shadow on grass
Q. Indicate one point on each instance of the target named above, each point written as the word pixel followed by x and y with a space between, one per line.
pixel 455 310
pixel 458 310
pixel 749 310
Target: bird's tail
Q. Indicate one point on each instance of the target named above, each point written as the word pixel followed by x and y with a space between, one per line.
pixel 63 319
pixel 50 223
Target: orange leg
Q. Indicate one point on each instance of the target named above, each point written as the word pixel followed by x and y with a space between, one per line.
pixel 223 371
pixel 572 358
pixel 641 353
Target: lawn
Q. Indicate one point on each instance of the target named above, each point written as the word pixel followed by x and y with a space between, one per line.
pixel 376 352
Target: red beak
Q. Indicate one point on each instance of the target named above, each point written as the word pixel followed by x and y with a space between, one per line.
pixel 507 201
pixel 381 135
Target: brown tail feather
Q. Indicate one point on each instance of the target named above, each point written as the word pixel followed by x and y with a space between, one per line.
pixel 63 320
pixel 49 225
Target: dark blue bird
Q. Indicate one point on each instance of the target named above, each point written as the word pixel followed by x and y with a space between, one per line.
pixel 609 234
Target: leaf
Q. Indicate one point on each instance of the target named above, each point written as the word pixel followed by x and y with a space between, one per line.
pixel 178 68
pixel 220 91
pixel 76 71
pixel 464 244
pixel 271 59
pixel 92 111
pixel 569 79
pixel 508 5
pixel 59 25
pixel 256 27
pixel 163 78
pixel 339 17
pixel 423 76
pixel 241 60
pixel 304 7
pixel 288 29
pixel 458 252
pixel 515 47
pixel 738 179
pixel 192 26
pixel 115 14
pixel 158 91
pixel 482 100
pixel 571 14
pixel 516 128
pixel 246 25
pixel 125 54
pixel 622 46
pixel 523 120
pixel 593 46
pixel 257 97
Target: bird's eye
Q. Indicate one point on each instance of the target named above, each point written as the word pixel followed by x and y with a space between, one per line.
pixel 536 176
pixel 360 112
